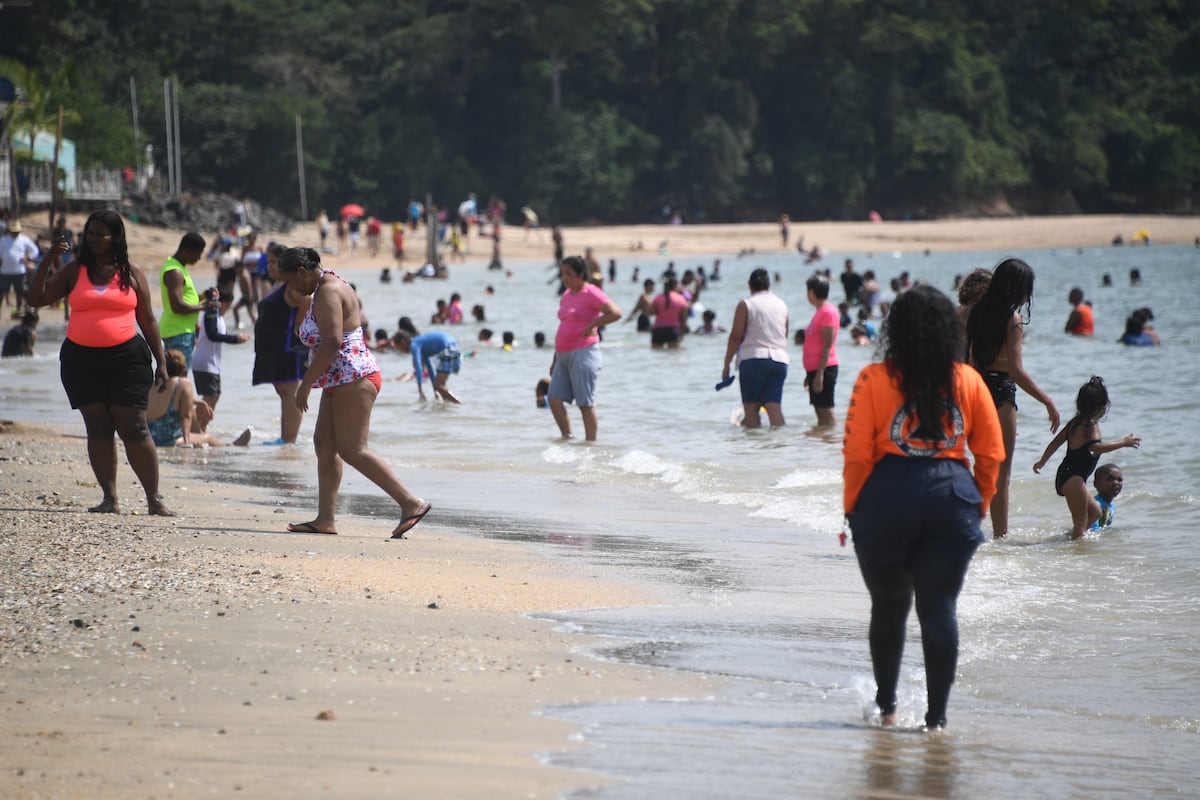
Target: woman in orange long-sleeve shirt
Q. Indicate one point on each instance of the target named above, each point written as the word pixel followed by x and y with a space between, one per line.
pixel 912 500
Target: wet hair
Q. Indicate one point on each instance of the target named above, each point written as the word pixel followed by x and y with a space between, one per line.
pixel 406 325
pixel 577 265
pixel 508 337
pixel 294 259
pixel 987 327
pixel 760 280
pixel 1103 471
pixel 276 249
pixel 29 318
pixel 1091 402
pixel 539 338
pixel 120 247
pixel 921 340
pixel 819 286
pixel 669 284
pixel 972 287
pixel 380 333
pixel 176 363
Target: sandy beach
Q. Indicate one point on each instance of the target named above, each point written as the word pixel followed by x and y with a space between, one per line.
pixel 208 653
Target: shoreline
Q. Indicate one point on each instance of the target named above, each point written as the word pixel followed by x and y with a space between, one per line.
pixel 150 246
pixel 209 652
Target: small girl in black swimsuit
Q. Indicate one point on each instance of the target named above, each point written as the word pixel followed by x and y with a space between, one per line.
pixel 1084 448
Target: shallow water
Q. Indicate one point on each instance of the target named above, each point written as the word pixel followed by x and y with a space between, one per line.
pixel 1079 665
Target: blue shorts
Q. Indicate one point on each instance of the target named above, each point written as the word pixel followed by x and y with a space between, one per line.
pixel 761 380
pixel 575 374
pixel 449 360
pixel 912 503
pixel 184 343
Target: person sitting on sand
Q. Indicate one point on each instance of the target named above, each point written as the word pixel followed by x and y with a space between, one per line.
pixel 20 339
pixel 169 413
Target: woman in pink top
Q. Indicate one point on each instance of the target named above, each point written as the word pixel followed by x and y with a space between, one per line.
pixel 820 351
pixel 344 370
pixel 105 363
pixel 582 311
pixel 670 317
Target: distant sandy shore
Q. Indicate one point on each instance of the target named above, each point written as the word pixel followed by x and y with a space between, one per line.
pixel 149 246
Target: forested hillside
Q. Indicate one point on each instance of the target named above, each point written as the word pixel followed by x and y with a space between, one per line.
pixel 612 109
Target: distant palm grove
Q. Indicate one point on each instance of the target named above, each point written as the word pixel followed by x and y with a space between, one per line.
pixel 612 110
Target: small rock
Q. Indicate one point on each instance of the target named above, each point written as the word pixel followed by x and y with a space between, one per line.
pixel 433 605
pixel 326 716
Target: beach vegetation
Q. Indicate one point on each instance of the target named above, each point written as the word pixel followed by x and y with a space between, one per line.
pixel 722 110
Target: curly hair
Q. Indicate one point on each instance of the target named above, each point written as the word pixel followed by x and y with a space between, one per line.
pixel 294 259
pixel 987 327
pixel 973 286
pixel 120 247
pixel 922 339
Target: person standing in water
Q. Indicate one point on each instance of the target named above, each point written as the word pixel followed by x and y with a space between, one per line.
pixel 995 331
pixel 912 499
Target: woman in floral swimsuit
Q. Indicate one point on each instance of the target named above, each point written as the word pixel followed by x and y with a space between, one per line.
pixel 344 369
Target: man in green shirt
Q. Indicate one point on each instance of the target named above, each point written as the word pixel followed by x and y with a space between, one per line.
pixel 181 305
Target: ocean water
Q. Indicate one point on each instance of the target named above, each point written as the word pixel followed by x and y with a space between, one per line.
pixel 1079 673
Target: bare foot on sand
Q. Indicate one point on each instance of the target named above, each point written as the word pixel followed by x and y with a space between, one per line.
pixel 158 508
pixel 108 505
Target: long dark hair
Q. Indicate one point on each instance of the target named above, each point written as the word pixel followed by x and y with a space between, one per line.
pixel 987 327
pixel 120 247
pixel 922 340
pixel 669 285
pixel 577 265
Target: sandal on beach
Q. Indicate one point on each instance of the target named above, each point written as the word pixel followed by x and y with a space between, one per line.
pixel 410 522
pixel 307 527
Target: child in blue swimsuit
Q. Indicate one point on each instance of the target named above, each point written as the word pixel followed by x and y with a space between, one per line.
pixel 1108 482
pixel 1084 447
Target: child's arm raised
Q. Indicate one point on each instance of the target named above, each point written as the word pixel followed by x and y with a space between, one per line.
pixel 1055 443
pixel 1107 447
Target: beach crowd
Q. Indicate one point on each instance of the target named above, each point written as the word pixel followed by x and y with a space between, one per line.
pixel 928 436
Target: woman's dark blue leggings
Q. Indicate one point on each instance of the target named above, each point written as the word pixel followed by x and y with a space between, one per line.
pixel 935 575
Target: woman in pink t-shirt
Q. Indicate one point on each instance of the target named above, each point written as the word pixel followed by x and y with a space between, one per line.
pixel 582 311
pixel 670 317
pixel 820 351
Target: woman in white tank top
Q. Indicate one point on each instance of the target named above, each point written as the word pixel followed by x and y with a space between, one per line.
pixel 759 340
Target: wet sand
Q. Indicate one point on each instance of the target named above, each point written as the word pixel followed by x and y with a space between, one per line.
pixel 211 653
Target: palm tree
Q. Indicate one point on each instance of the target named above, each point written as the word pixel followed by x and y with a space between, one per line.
pixel 36 109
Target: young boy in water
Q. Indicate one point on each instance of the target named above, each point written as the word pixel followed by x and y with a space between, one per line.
pixel 1108 482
